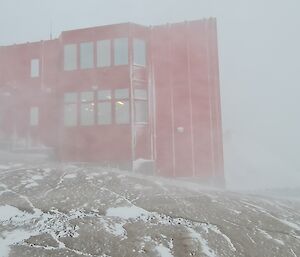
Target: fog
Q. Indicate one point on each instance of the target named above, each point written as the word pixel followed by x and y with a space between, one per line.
pixel 259 68
pixel 79 207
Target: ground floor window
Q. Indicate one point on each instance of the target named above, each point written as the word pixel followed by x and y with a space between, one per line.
pixel 70 109
pixel 104 110
pixel 87 108
pixel 34 116
pixel 122 110
pixel 102 107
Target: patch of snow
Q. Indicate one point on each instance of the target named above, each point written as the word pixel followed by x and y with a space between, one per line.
pixel 91 176
pixel 10 238
pixel 204 244
pixel 71 175
pixel 290 224
pixel 217 231
pixel 292 251
pixel 163 251
pixel 32 184
pixel 7 212
pixel 47 170
pixel 54 223
pixel 37 177
pixel 268 236
pixel 137 164
pixel 127 212
pixel 170 244
pixel 114 228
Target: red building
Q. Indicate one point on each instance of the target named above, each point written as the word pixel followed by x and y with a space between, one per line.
pixel 118 94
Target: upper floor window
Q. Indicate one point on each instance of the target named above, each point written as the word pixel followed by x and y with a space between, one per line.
pixel 103 53
pixel 70 109
pixel 86 55
pixel 70 57
pixel 139 52
pixel 34 116
pixel 87 108
pixel 121 51
pixel 122 106
pixel 35 68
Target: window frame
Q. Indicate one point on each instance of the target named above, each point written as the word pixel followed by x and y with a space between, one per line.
pixel 104 100
pixel 35 68
pixel 71 103
pixel 118 51
pixel 124 100
pixel 138 98
pixel 86 55
pixel 73 48
pixel 103 63
pixel 91 102
pixel 135 46
pixel 34 116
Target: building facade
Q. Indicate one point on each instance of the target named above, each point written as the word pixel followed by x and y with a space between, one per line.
pixel 119 94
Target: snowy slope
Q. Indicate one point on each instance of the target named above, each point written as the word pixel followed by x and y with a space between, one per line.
pixel 75 210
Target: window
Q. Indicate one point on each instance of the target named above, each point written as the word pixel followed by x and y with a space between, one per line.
pixel 35 68
pixel 122 93
pixel 104 113
pixel 70 57
pixel 87 109
pixel 140 94
pixel 104 95
pixel 139 52
pixel 122 106
pixel 34 116
pixel 104 107
pixel 86 55
pixel 103 53
pixel 121 51
pixel 70 109
pixel 140 105
pixel 141 111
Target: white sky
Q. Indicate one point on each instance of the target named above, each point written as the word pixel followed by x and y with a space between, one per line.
pixel 259 44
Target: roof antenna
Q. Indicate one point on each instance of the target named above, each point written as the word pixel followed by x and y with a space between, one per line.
pixel 51 30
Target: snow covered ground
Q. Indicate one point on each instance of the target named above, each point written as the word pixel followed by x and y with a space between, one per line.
pixel 50 209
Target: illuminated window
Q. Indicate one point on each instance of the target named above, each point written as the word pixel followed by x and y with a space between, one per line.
pixel 121 51
pixel 35 68
pixel 103 53
pixel 87 109
pixel 70 57
pixel 122 106
pixel 86 55
pixel 139 52
pixel 70 109
pixel 141 105
pixel 34 116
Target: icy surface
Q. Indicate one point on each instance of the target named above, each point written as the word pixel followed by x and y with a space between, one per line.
pixel 75 210
pixel 163 251
pixel 126 212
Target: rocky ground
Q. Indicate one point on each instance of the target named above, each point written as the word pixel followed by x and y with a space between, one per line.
pixel 51 209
